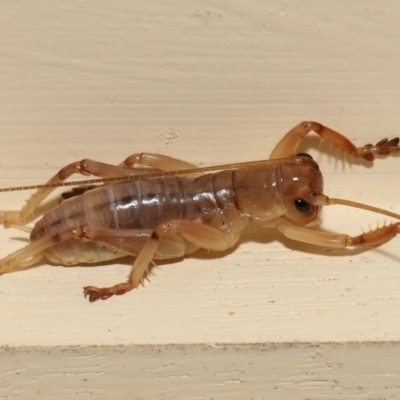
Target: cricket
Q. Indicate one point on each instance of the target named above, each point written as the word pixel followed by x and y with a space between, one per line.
pixel 154 207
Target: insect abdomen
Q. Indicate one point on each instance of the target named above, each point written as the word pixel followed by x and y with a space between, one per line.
pixel 140 204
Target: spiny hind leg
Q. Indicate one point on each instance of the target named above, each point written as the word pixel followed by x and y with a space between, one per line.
pixel 144 162
pixel 29 255
pixel 85 167
pixel 125 241
pixel 287 146
pixel 147 163
pixel 195 233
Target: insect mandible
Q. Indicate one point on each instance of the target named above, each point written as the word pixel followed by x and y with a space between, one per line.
pixel 156 207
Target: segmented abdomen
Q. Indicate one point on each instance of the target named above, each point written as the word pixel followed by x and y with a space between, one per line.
pixel 141 204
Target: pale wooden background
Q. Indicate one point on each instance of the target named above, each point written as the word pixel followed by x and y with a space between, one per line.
pixel 210 82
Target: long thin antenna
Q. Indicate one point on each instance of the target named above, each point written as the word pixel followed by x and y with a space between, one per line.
pixel 151 175
pixel 363 206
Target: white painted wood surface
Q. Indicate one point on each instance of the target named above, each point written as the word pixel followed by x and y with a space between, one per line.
pixel 209 82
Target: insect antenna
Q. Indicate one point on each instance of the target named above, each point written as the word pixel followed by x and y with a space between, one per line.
pixel 161 174
pixel 349 203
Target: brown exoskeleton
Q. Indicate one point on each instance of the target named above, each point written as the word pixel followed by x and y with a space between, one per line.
pixel 158 214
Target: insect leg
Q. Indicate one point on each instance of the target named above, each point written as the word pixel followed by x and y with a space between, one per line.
pixel 129 241
pixel 132 241
pixel 198 234
pixel 157 161
pixel 151 162
pixel 30 254
pixel 373 237
pixel 287 146
pixel 85 167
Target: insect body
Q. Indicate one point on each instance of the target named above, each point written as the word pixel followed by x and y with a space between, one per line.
pixel 169 214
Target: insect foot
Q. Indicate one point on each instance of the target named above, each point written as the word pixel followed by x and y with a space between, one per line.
pixel 384 147
pixel 11 218
pixel 94 293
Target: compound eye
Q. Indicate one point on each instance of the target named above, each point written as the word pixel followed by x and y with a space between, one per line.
pixel 302 206
pixel 303 155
